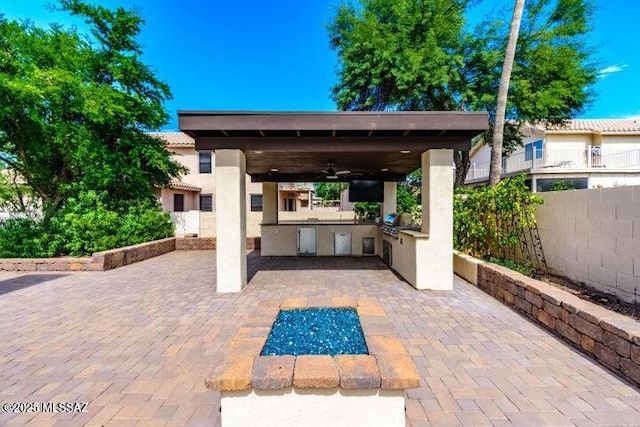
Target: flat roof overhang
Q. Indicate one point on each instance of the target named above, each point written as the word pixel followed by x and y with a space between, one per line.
pixel 297 146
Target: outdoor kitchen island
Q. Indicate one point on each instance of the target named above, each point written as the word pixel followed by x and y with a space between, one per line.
pixel 320 239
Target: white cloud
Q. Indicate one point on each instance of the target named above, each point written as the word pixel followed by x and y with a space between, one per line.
pixel 610 70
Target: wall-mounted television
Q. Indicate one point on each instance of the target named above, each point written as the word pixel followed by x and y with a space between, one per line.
pixel 366 191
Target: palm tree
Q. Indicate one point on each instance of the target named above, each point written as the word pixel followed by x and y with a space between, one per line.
pixel 501 106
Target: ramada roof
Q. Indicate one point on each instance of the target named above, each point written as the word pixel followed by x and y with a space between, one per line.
pixel 175 139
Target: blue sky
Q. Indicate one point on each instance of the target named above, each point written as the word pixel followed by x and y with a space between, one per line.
pixel 274 55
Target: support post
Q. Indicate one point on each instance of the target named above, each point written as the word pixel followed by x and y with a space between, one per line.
pixel 270 203
pixel 231 220
pixel 390 199
pixel 435 257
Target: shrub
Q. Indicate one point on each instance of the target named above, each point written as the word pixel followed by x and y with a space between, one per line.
pixel 85 225
pixel 22 238
pixel 488 220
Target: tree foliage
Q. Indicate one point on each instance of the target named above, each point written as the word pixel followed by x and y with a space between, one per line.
pixel 399 54
pixel 74 109
pixel 330 190
pixel 420 55
pixel 74 114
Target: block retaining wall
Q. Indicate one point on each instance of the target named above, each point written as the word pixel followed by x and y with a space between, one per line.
pixel 610 338
pixel 114 258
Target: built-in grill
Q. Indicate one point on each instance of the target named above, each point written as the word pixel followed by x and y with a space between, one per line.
pixel 395 222
pixel 391 225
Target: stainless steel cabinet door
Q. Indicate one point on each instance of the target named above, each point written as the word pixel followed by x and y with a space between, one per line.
pixel 307 241
pixel 342 243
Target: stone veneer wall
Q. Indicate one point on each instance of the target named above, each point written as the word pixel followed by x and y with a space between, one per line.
pixel 209 243
pixel 49 264
pixel 120 257
pixel 593 236
pixel 611 338
pixel 115 258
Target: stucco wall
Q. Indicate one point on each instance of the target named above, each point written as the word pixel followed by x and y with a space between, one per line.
pixel 186 222
pixel 593 236
pixel 317 216
pixel 281 239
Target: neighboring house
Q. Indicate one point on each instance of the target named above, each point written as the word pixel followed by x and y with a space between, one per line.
pixel 582 153
pixel 295 196
pixel 191 199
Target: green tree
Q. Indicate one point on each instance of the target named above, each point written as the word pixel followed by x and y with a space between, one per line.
pixel 74 109
pixel 330 190
pixel 418 55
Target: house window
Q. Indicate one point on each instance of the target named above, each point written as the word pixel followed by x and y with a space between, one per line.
pixel 206 202
pixel 256 203
pixel 178 202
pixel 530 148
pixel 205 161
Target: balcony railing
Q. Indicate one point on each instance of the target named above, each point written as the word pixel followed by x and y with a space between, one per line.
pixel 295 186
pixel 562 159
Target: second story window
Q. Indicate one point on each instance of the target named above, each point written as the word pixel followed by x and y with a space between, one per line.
pixel 205 162
pixel 533 149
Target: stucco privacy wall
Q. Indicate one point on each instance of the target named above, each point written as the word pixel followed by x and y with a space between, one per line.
pixel 593 236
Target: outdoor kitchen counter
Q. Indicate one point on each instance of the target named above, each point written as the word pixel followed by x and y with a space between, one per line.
pixel 284 239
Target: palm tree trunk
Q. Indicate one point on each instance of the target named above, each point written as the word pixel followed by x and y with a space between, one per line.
pixel 501 107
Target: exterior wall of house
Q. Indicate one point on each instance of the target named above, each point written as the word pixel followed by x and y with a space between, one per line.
pixel 192 220
pixel 186 222
pixel 189 157
pixel 568 155
pixel 593 236
pixel 191 199
pixel 612 144
pixel 570 149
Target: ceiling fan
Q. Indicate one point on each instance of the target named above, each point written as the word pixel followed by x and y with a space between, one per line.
pixel 333 174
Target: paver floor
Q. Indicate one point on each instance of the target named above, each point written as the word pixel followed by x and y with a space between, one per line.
pixel 136 344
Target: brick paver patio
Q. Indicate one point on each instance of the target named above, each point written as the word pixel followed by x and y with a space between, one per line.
pixel 136 344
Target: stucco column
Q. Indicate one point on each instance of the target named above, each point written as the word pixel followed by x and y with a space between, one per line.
pixel 269 202
pixel 390 198
pixel 231 220
pixel 435 256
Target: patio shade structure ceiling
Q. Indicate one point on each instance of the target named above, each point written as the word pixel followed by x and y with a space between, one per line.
pixel 298 146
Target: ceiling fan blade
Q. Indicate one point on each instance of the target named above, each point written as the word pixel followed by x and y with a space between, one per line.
pixel 324 171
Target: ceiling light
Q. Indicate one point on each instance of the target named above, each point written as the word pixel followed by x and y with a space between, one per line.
pixel 384 169
pixel 405 151
pixel 274 169
pixel 258 152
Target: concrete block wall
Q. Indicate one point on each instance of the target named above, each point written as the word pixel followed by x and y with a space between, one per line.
pixel 593 236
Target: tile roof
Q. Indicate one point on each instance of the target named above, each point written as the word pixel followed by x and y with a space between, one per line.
pixel 631 126
pixel 176 184
pixel 174 138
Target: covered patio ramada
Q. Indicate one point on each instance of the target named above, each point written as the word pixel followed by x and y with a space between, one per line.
pixel 277 147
